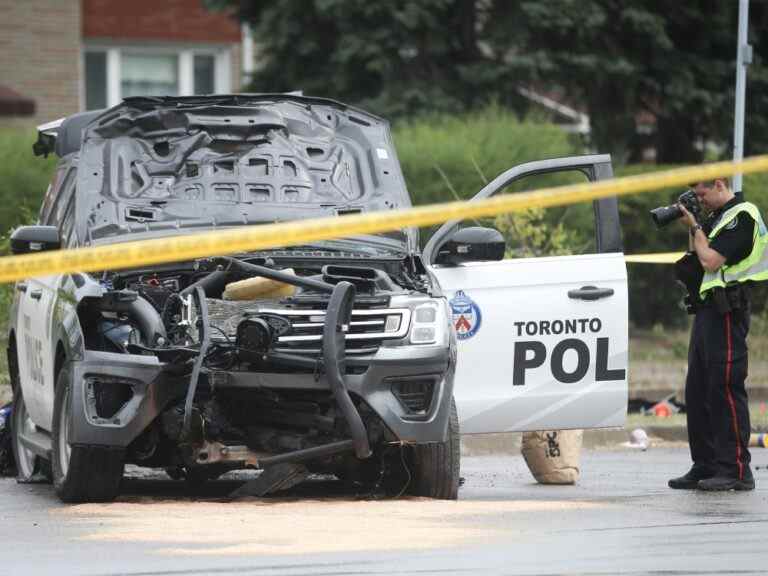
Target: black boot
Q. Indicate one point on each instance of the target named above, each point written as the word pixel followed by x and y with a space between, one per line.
pixel 725 483
pixel 690 480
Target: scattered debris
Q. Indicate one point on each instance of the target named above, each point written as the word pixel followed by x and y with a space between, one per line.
pixel 662 409
pixel 553 457
pixel 758 440
pixel 638 439
pixel 272 479
pixel 7 464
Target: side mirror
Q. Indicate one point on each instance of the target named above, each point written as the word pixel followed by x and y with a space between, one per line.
pixel 30 239
pixel 472 244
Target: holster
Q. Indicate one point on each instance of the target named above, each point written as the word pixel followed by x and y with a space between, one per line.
pixel 729 299
pixel 689 273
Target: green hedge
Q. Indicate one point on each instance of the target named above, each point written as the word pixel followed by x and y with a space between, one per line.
pixel 451 157
pixel 23 178
pixel 23 181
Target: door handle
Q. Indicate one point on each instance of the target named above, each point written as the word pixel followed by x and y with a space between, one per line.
pixel 36 294
pixel 590 293
pixel 21 287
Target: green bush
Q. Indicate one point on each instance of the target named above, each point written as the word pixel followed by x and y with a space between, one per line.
pixel 23 181
pixel 452 157
pixel 448 158
pixel 23 178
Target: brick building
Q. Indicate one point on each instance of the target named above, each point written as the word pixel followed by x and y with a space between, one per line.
pixel 58 57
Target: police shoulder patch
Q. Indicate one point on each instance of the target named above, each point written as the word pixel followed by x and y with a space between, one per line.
pixel 732 224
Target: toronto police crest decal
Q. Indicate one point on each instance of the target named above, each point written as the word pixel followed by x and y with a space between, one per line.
pixel 466 315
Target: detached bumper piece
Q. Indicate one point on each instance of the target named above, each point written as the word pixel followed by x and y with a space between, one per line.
pixel 284 470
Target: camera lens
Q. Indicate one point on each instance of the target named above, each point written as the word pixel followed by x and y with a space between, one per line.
pixel 666 214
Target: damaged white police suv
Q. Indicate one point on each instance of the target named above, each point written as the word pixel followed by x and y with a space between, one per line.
pixel 358 357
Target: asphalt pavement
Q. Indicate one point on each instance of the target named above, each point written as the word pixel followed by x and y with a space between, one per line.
pixel 619 519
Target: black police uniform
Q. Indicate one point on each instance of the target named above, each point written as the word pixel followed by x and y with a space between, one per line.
pixel 715 395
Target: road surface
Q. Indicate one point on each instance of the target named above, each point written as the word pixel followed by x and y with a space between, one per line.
pixel 620 518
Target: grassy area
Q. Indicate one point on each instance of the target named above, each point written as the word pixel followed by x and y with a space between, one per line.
pixel 659 345
pixel 758 418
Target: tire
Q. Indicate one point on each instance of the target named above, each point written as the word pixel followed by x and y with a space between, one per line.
pixel 28 465
pixel 81 473
pixel 437 465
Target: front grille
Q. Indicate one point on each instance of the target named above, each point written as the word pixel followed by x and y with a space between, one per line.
pixel 367 330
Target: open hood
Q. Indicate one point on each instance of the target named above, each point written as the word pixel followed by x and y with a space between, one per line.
pixel 161 164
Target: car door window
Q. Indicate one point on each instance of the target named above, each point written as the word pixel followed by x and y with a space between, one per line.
pixel 67 223
pixel 556 231
pixel 56 200
pixel 50 195
pixel 580 229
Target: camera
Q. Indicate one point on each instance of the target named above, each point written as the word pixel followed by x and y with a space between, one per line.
pixel 663 215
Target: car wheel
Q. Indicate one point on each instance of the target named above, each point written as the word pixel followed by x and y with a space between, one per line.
pixel 27 463
pixel 436 466
pixel 81 473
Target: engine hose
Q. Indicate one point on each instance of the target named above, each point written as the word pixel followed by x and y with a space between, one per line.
pixel 205 341
pixel 337 320
pixel 137 308
pixel 212 284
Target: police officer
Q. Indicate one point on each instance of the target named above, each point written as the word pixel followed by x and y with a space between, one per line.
pixel 730 248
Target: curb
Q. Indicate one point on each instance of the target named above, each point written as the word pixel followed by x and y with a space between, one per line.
pixel 510 442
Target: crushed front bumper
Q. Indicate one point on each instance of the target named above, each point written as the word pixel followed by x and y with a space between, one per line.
pixel 373 379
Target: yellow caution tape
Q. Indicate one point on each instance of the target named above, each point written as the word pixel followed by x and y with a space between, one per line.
pixel 259 237
pixel 660 258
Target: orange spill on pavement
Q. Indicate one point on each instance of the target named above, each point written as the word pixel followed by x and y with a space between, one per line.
pixel 308 526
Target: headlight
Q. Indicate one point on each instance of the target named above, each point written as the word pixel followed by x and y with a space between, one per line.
pixel 424 325
pixel 425 314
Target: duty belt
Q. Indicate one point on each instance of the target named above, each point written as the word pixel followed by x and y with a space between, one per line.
pixel 728 299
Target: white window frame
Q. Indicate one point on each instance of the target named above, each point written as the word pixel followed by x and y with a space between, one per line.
pixel 222 74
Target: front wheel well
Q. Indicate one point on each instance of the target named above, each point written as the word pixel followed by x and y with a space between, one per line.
pixel 58 363
pixel 13 361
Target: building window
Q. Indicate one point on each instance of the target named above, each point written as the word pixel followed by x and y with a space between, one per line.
pixel 149 75
pixel 205 75
pixel 113 73
pixel 96 80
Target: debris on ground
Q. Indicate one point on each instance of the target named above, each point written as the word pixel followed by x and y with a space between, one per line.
pixel 662 409
pixel 7 464
pixel 758 440
pixel 553 457
pixel 638 439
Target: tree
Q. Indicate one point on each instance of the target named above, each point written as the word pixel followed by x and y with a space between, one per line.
pixel 616 58
pixel 398 58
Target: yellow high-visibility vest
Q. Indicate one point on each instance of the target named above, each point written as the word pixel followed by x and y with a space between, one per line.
pixel 754 267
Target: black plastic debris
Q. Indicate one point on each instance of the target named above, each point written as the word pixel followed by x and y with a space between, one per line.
pixel 7 464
